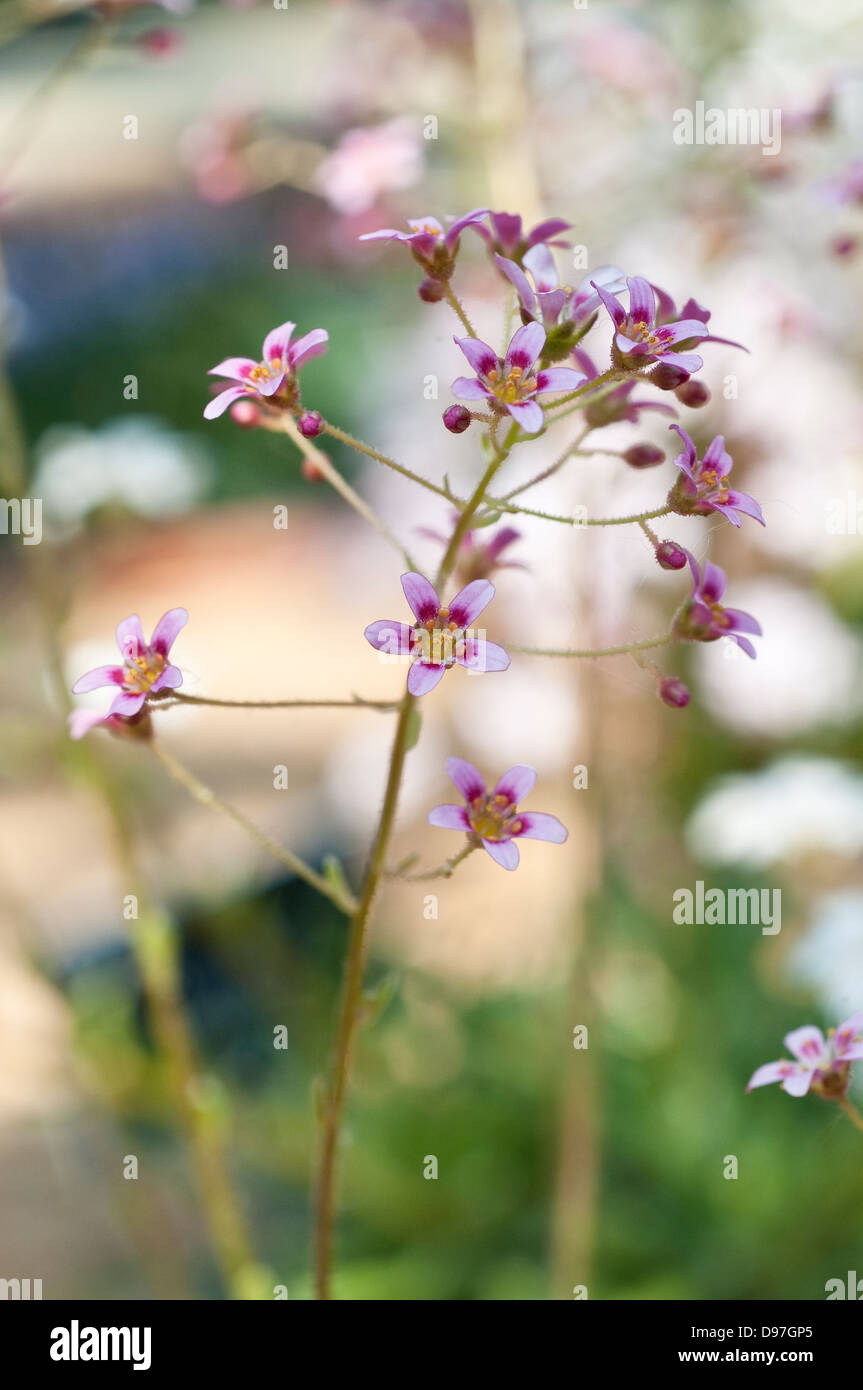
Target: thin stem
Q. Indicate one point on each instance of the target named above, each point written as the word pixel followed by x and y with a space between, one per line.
pixel 456 305
pixel 351 998
pixel 852 1112
pixel 445 870
pixel 622 650
pixel 177 698
pixel 325 467
pixel 371 453
pixel 551 470
pixel 502 505
pixel 206 797
pixel 447 564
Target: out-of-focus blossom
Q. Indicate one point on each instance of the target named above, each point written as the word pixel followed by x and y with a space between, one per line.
pixel 704 486
pixel 506 235
pixel 135 464
pixel 667 312
pixel 823 1065
pixel 369 161
pixel 81 721
pixel 478 559
pixel 273 380
pixel 493 819
pixel 510 385
pixel 847 187
pixel 213 149
pixel 146 670
pixel 546 300
pixel 441 636
pixel 702 618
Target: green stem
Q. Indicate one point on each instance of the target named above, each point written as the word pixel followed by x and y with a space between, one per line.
pixel 551 470
pixel 456 305
pixel 371 453
pixel 176 698
pixel 852 1112
pixel 328 471
pixel 206 797
pixel 445 870
pixel 622 650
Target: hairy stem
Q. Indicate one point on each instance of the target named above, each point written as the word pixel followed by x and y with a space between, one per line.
pixel 176 698
pixel 456 305
pixel 622 650
pixel 371 453
pixel 206 797
pixel 852 1112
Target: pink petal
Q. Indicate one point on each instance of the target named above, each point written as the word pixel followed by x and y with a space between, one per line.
pixel 421 596
pixel 81 721
pixel 277 342
pixel 479 354
pixel 167 628
pixel 641 300
pixel 525 346
pixel 387 635
pixel 483 656
pixel 127 704
pixel 314 344
pixel 469 388
pixel 528 414
pixel 449 818
pixel 503 852
pixel 558 379
pixel 516 784
pixel 770 1072
pixel 422 678
pixel 467 778
pixel 798 1082
pixel 470 601
pixel 94 680
pixel 219 404
pixel 130 636
pixel 170 678
pixel 538 825
pixel 237 368
pixel 808 1045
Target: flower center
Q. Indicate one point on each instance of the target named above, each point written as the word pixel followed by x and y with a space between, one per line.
pixel 711 481
pixel 265 371
pixel 438 641
pixel 143 671
pixel 642 333
pixel 493 817
pixel 720 617
pixel 515 386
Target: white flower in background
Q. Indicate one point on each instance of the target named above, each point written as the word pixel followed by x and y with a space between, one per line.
pixel 137 464
pixel 368 161
pixel 829 959
pixel 808 670
pixel 795 805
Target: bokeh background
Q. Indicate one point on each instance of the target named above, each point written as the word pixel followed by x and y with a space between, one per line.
pixel 304 127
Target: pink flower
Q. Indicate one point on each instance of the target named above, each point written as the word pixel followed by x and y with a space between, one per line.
pixel 272 380
pixel 704 485
pixel 478 559
pixel 822 1065
pixel 145 671
pixel 433 246
pixel 441 636
pixel 507 236
pixel 641 337
pixel 368 161
pixel 81 721
pixel 494 819
pixel 509 385
pixel 702 618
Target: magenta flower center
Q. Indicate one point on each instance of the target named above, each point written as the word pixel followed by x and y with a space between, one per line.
pixel 493 817
pixel 515 386
pixel 438 641
pixel 143 671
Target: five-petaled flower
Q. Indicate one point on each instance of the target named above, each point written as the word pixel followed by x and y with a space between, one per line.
pixel 145 671
pixel 432 245
pixel 507 237
pixel 511 384
pixel 702 618
pixel 493 819
pixel 441 636
pixel 565 313
pixel 823 1065
pixel 704 484
pixel 641 339
pixel 273 380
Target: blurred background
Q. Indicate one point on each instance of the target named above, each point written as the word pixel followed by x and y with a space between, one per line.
pixel 302 127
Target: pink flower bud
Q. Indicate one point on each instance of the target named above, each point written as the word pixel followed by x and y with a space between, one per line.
pixel 692 393
pixel 246 414
pixel 457 418
pixel 310 424
pixel 643 455
pixel 668 377
pixel 670 556
pixel 431 291
pixel 160 43
pixel 673 692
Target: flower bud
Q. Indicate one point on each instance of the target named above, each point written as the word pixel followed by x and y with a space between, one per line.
pixel 431 291
pixel 310 424
pixel 246 414
pixel 844 246
pixel 643 455
pixel 692 393
pixel 670 556
pixel 457 418
pixel 668 377
pixel 673 692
